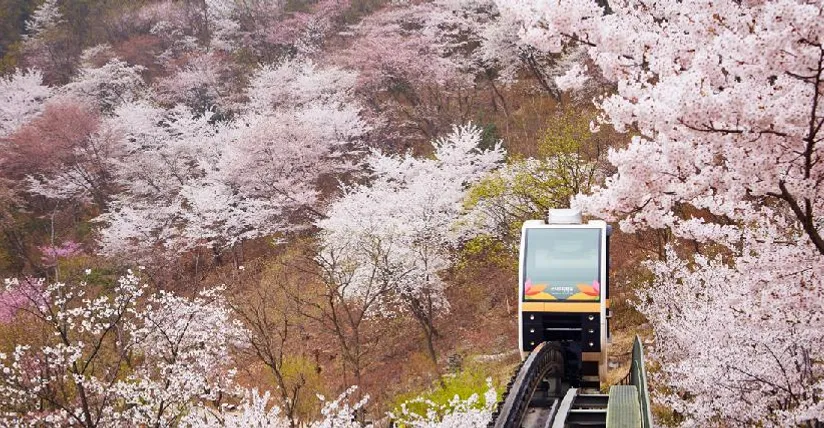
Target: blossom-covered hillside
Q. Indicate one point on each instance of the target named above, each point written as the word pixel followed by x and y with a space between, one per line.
pixel 221 212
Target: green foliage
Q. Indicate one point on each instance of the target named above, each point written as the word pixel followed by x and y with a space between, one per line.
pixel 526 188
pixel 10 58
pixel 491 250
pixel 462 384
pixel 301 374
pixel 568 133
pixel 489 137
pixel 570 153
pixel 13 15
pixel 521 190
pixel 74 270
pixel 537 185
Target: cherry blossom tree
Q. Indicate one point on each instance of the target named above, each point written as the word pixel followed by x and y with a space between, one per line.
pixel 84 174
pixel 64 153
pixel 44 18
pixel 109 85
pixel 290 34
pixel 490 45
pixel 302 122
pixel 399 228
pixel 395 45
pixel 23 97
pixel 268 30
pixel 758 364
pixel 297 83
pixel 46 45
pixel 189 181
pixel 42 22
pixel 165 153
pixel 52 254
pixel 114 357
pixel 724 100
pixel 168 24
pixel 409 81
pixel 253 411
pixel 207 23
pixel 68 379
pixel 459 43
pixel 204 82
pixel 218 24
pixel 48 141
pixel 341 412
pixel 13 298
pixel 186 345
pixel 181 30
pixel 172 197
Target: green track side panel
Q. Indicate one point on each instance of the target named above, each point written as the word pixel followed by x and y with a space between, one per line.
pixel 624 409
pixel 639 378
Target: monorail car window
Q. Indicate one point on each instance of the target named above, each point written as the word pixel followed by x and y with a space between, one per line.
pixel 562 264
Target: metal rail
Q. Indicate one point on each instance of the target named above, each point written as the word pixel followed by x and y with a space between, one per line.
pixel 545 363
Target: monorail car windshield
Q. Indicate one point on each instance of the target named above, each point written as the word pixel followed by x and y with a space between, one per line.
pixel 562 264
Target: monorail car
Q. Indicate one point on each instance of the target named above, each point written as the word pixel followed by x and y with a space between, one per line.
pixel 563 292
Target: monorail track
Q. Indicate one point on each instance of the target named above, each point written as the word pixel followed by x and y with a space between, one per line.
pixel 538 397
pixel 520 398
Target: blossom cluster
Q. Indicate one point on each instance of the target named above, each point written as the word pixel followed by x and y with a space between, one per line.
pixel 402 224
